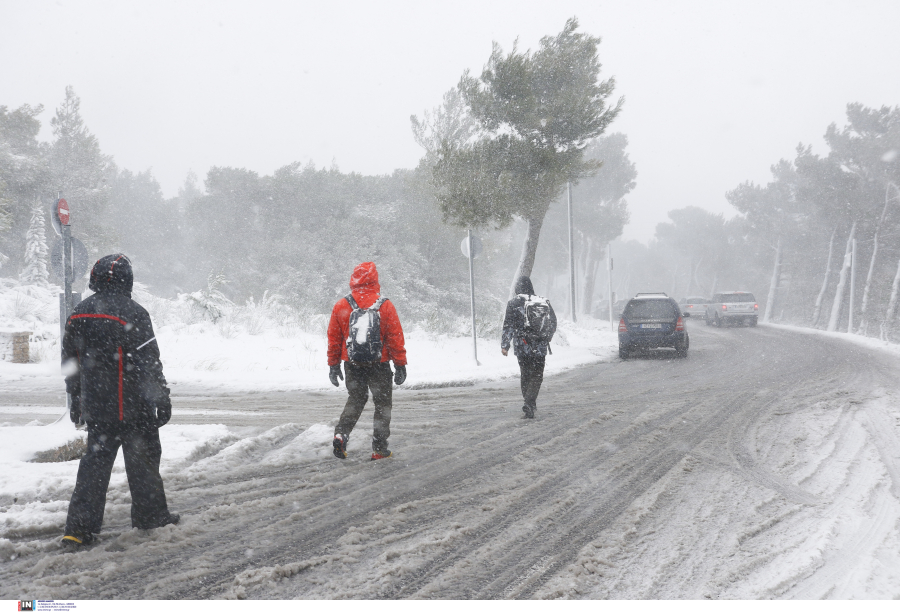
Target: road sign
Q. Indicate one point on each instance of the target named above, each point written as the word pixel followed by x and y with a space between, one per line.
pixel 476 246
pixel 62 208
pixel 56 259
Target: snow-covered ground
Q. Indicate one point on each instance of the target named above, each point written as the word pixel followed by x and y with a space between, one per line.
pixel 255 349
pixel 766 465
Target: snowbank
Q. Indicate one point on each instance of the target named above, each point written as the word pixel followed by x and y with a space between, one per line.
pixel 262 347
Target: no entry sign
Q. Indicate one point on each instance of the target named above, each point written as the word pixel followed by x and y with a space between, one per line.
pixel 63 211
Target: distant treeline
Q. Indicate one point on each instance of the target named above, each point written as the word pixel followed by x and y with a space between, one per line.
pixel 793 239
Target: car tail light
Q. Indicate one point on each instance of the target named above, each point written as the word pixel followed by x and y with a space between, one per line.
pixel 756 307
pixel 724 307
pixel 622 326
pixel 679 325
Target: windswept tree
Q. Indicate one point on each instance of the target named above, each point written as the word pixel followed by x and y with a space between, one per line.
pixel 511 138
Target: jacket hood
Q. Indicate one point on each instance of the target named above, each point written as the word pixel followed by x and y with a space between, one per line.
pixel 112 274
pixel 364 284
pixel 523 286
pixel 365 278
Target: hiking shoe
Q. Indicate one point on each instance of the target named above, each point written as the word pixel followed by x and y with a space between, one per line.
pixel 172 519
pixel 76 542
pixel 381 455
pixel 529 413
pixel 340 446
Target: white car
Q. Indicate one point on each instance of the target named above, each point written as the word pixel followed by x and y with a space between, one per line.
pixel 730 307
pixel 694 304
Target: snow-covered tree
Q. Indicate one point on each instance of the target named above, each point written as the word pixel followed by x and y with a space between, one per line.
pixel 82 173
pixel 35 270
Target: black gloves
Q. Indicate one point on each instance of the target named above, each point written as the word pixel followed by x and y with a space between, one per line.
pixel 163 414
pixel 75 409
pixel 399 374
pixel 334 373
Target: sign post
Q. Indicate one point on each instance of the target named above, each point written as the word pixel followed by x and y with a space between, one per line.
pixel 471 246
pixel 65 299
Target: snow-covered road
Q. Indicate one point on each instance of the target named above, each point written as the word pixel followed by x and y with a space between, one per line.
pixel 765 465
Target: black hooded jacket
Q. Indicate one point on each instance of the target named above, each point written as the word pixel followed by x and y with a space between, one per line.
pixel 110 355
pixel 514 323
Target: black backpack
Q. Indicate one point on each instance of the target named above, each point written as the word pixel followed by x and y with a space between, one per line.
pixel 364 337
pixel 538 322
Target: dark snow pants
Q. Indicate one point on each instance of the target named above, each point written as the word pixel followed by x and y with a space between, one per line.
pixel 142 451
pixel 359 379
pixel 532 369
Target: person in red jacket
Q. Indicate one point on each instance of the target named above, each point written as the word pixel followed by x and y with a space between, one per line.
pixel 376 339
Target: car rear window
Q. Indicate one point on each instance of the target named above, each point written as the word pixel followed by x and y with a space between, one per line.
pixel 738 297
pixel 650 309
pixel 697 301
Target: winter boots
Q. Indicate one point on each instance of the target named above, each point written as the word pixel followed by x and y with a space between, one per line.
pixel 77 541
pixel 340 446
pixel 381 455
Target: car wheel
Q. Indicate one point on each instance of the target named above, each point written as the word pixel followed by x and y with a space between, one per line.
pixel 708 320
pixel 681 348
pixel 718 322
pixel 623 352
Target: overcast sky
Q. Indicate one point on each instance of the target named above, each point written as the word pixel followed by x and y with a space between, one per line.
pixel 715 92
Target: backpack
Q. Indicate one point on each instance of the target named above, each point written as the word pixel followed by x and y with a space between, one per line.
pixel 364 339
pixel 538 322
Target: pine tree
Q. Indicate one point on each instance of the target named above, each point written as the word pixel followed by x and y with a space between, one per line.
pixel 35 271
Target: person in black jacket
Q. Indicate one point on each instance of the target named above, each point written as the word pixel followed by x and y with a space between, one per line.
pixel 116 383
pixel 530 345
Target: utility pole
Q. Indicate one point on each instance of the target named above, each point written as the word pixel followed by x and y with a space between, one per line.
pixel 571 256
pixel 471 250
pixel 852 285
pixel 609 269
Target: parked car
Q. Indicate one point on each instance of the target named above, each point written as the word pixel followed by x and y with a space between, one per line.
pixel 730 307
pixel 695 305
pixel 652 320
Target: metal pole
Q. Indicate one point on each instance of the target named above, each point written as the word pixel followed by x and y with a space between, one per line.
pixel 472 290
pixel 852 285
pixel 609 268
pixel 571 255
pixel 67 285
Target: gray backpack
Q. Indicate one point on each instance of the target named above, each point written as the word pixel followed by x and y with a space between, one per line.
pixel 364 340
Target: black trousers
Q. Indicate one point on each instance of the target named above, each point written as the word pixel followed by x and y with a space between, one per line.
pixel 142 454
pixel 359 380
pixel 532 369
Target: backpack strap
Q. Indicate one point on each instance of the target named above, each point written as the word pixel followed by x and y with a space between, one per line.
pixel 351 301
pixel 378 303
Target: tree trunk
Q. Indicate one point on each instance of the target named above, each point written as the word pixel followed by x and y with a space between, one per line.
pixel 863 319
pixel 842 283
pixel 529 248
pixel 817 312
pixel 773 285
pixel 888 321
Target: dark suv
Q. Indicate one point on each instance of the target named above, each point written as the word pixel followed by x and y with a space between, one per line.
pixel 652 320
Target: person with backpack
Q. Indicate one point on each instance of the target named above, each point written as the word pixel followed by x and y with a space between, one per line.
pixel 116 383
pixel 528 326
pixel 365 333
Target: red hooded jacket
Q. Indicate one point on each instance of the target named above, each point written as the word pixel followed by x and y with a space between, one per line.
pixel 365 289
